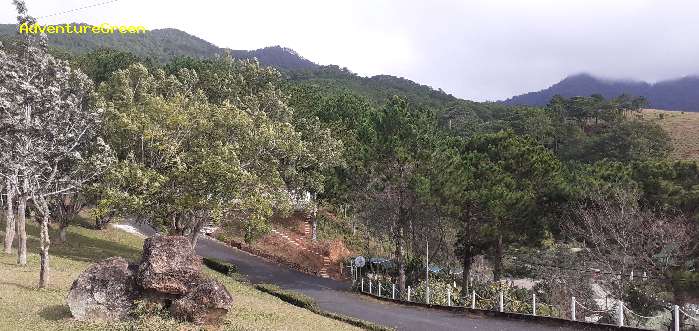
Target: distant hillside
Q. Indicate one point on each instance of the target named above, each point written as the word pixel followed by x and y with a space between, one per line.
pixel 678 94
pixel 376 88
pixel 278 57
pixel 163 45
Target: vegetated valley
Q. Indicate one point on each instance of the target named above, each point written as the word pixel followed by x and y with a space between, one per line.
pixel 183 135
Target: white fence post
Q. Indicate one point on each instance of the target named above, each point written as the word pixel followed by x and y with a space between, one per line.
pixel 408 293
pixel 393 296
pixel 621 313
pixel 362 284
pixel 572 308
pixel 449 296
pixel 534 304
pixel 473 299
pixel 370 291
pixel 379 288
pixel 676 315
pixel 502 306
pixel 427 295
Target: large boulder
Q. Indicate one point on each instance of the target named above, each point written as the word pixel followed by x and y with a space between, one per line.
pixel 105 291
pixel 168 266
pixel 206 303
pixel 169 274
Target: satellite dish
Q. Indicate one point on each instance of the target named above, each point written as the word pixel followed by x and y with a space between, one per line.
pixel 359 261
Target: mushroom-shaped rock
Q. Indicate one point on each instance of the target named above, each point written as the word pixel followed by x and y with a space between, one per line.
pixel 169 265
pixel 105 291
pixel 207 303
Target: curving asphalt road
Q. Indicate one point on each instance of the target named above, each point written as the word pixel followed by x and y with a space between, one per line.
pixel 333 296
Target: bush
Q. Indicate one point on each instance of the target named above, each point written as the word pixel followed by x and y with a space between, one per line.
pixel 438 293
pixel 220 266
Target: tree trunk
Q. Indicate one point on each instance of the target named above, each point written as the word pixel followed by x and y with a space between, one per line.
pixel 497 268
pixel 9 218
pixel 467 258
pixel 467 261
pixel 44 250
pixel 400 256
pixel 101 222
pixel 21 222
pixel 194 235
pixel 63 233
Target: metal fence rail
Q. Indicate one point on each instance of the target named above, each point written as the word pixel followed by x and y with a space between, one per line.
pixel 619 310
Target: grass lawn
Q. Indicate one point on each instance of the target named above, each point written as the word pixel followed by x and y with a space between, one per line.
pixel 683 128
pixel 24 307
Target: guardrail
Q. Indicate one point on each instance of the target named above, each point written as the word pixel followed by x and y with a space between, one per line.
pixel 389 292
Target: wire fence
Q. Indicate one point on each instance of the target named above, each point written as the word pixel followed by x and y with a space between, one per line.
pixel 502 301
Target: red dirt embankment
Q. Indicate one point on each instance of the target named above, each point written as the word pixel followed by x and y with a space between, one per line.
pixel 290 243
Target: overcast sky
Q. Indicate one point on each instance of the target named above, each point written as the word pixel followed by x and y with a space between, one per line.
pixel 479 50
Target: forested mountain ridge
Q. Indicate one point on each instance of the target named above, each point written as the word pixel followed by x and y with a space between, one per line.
pixel 276 56
pixel 376 88
pixel 675 94
pixel 161 44
pixel 164 45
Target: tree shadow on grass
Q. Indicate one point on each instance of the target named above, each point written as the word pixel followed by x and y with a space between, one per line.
pixel 55 312
pixel 13 284
pixel 78 247
pixel 84 249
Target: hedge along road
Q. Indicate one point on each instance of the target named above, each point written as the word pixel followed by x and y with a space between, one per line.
pixel 333 296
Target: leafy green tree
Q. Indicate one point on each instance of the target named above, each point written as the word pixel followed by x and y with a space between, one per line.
pixel 591 129
pixel 668 185
pixel 49 132
pixel 186 161
pixel 100 63
pixel 348 117
pixel 513 177
pixel 456 192
pixel 400 144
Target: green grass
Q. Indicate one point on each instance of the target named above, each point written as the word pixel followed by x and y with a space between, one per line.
pixel 25 307
pixel 300 300
pixel 294 298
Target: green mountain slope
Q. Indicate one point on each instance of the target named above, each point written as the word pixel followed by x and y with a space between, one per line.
pixel 163 45
pixel 377 88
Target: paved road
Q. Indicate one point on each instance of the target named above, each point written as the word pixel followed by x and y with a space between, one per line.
pixel 332 295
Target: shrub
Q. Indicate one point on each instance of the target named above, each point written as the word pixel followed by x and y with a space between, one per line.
pixel 438 292
pixel 220 266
